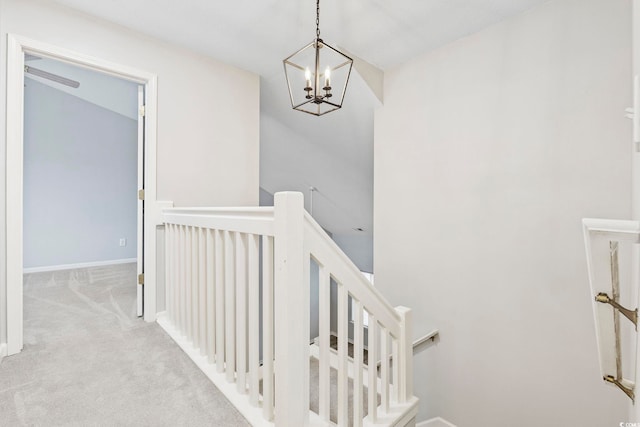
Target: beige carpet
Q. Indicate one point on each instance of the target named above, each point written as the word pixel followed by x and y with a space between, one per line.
pixel 89 361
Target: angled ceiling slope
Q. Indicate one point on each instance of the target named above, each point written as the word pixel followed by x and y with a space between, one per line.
pixel 257 35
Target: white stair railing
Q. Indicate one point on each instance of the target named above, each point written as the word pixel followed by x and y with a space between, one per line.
pixel 389 340
pixel 213 299
pixel 238 302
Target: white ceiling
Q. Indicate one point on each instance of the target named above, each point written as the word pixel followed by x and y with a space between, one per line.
pixel 335 152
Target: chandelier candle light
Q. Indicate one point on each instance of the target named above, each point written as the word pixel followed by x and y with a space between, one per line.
pixel 315 74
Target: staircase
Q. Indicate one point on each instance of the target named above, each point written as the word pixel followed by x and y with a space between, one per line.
pixel 238 303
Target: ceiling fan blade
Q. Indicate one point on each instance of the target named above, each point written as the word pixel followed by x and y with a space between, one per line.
pixel 50 76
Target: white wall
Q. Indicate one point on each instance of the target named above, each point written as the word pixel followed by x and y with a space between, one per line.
pixel 80 179
pixel 290 161
pixel 488 152
pixel 208 112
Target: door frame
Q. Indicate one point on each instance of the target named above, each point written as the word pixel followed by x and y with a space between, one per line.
pixel 17 46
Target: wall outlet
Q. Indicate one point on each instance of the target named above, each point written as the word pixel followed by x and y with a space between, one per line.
pixel 123 242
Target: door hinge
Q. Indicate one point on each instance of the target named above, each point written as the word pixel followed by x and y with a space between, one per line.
pixel 141 194
pixel 141 279
pixel 141 111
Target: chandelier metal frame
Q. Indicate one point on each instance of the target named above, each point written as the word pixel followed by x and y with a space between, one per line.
pixel 318 97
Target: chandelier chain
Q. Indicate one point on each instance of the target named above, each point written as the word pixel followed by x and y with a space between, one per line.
pixel 317 19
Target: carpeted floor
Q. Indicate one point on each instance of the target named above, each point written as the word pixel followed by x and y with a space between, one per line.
pixel 89 361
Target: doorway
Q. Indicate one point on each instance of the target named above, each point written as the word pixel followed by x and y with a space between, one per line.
pixel 81 174
pixel 18 47
pixel 83 167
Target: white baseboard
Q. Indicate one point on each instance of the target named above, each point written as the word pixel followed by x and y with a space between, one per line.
pixel 435 422
pixel 3 351
pixel 79 265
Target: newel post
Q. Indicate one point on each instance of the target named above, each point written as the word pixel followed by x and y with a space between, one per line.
pixel 405 391
pixel 291 301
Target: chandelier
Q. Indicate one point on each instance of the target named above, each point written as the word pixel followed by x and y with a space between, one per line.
pixel 317 75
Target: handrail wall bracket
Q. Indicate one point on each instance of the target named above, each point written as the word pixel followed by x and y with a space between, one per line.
pixel 632 315
pixel 627 390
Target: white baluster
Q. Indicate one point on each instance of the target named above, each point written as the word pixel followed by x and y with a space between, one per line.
pixel 230 305
pixel 267 328
pixel 189 280
pixel 241 312
pixel 202 285
pixel 357 363
pixel 211 297
pixel 343 375
pixel 193 284
pixel 183 280
pixel 176 274
pixel 324 320
pixel 167 273
pixel 372 355
pixel 219 244
pixel 395 357
pixel 254 317
pixel 384 369
pixel 405 391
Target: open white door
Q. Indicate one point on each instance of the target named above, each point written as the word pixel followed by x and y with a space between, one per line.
pixel 140 237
